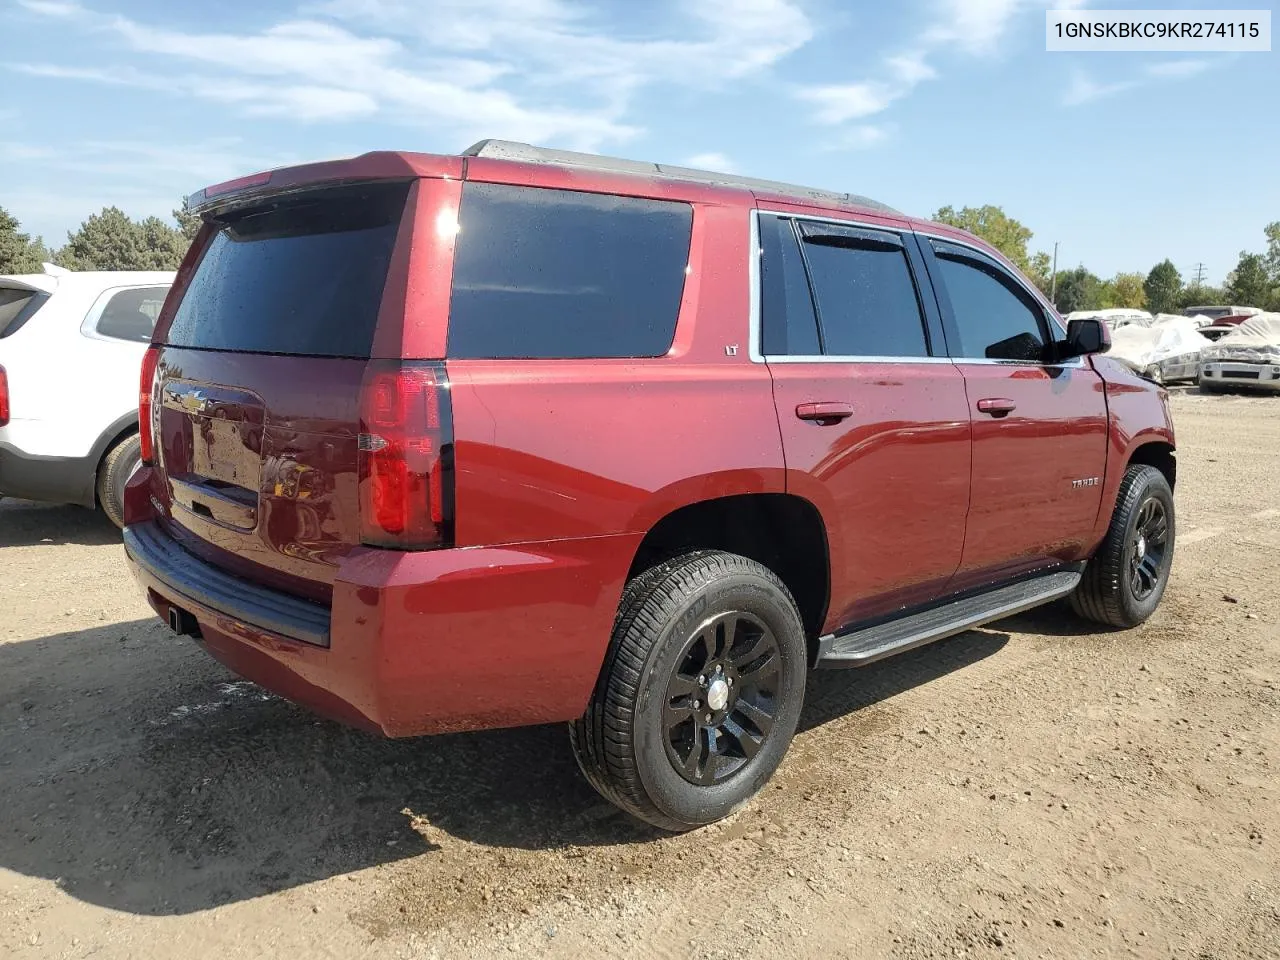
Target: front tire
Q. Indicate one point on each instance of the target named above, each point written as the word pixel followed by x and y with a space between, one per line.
pixel 707 628
pixel 117 467
pixel 1123 583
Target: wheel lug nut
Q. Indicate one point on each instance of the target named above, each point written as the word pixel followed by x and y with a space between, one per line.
pixel 708 718
pixel 696 704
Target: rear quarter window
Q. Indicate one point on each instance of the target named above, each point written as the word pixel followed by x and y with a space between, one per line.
pixel 558 274
pixel 128 314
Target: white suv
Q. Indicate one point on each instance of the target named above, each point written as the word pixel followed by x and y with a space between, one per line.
pixel 71 346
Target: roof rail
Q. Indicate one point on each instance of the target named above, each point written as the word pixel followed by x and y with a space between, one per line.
pixel 511 150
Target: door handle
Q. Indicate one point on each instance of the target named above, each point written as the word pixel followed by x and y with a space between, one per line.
pixel 996 406
pixel 823 412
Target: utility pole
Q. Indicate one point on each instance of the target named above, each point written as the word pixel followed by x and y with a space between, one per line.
pixel 1198 279
pixel 1053 280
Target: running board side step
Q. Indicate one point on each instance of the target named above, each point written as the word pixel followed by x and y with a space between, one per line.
pixel 860 647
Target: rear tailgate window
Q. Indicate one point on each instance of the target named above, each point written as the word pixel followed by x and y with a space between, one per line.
pixel 302 275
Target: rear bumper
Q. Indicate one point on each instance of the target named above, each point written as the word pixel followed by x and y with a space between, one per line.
pixel 418 643
pixel 48 479
pixel 1235 373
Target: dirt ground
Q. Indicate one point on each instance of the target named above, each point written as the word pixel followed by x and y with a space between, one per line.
pixel 1037 788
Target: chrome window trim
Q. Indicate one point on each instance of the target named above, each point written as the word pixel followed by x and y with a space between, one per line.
pixel 802 358
pixel 985 361
pixel 755 277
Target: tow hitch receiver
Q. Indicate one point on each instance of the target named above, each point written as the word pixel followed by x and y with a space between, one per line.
pixel 183 623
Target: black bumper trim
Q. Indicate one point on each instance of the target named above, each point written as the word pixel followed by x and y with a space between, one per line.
pixel 193 579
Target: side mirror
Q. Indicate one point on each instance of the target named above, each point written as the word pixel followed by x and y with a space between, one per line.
pixel 1086 335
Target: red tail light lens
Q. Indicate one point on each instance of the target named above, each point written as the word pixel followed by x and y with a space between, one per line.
pixel 406 456
pixel 146 391
pixel 4 397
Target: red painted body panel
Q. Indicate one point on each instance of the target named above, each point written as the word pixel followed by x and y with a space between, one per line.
pixel 562 466
pixel 1137 414
pixel 891 481
pixel 442 640
pixel 1026 512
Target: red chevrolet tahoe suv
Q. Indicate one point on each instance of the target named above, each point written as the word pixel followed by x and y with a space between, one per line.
pixel 440 443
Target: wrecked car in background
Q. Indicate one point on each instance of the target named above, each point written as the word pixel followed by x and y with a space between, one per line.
pixel 1248 356
pixel 1114 317
pixel 1168 350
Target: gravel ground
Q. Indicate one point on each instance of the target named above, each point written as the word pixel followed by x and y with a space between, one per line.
pixel 1032 789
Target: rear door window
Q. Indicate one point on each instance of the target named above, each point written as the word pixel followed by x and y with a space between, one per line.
pixel 789 327
pixel 557 274
pixel 128 314
pixel 864 291
pixel 301 275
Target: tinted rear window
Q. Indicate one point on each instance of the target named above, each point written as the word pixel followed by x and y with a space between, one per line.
pixel 561 274
pixel 866 298
pixel 17 307
pixel 302 276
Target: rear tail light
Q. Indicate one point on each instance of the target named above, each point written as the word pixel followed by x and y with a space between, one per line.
pixel 406 456
pixel 4 397
pixel 146 393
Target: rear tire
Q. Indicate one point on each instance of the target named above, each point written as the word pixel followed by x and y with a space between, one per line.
pixel 1123 583
pixel 116 469
pixel 710 628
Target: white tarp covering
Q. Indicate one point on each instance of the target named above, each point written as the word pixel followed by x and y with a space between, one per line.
pixel 1115 317
pixel 1200 320
pixel 1168 349
pixel 1256 340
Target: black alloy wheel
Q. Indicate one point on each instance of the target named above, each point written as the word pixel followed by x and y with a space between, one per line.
pixel 1148 547
pixel 723 697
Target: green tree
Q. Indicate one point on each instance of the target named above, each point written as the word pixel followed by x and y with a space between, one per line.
pixel 1162 286
pixel 1272 233
pixel 1124 290
pixel 1078 289
pixel 1201 296
pixel 188 223
pixel 110 240
pixel 1040 271
pixel 1251 284
pixel 993 225
pixel 18 252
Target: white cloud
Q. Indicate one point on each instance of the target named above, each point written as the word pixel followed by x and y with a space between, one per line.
pixel 978 26
pixel 974 27
pixel 542 70
pixel 852 101
pixel 716 162
pixel 1175 69
pixel 52 8
pixel 1084 89
pixel 859 137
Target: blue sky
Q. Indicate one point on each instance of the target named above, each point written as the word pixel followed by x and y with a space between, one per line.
pixel 1122 158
